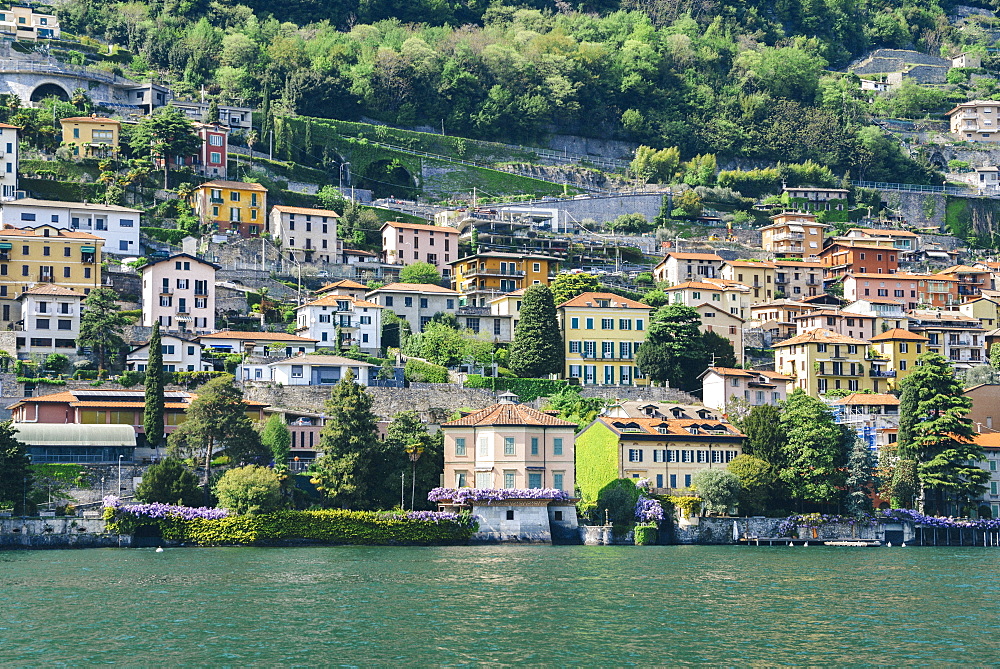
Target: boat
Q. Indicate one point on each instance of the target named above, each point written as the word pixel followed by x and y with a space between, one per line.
pixel 856 544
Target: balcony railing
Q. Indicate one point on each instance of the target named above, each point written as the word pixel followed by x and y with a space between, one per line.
pixel 882 374
pixel 495 272
pixel 216 200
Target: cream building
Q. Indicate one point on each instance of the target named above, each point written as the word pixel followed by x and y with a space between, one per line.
pixel 721 385
pixel 975 121
pixel 793 234
pixel 602 333
pixel 821 361
pixel 678 267
pixel 758 276
pixel 179 293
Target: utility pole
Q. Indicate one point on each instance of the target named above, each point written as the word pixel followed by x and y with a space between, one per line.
pixel 270 145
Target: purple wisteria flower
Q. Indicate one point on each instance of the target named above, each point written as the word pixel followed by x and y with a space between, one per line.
pixel 469 495
pixel 648 510
pixel 939 521
pixel 644 484
pixel 434 517
pixel 159 511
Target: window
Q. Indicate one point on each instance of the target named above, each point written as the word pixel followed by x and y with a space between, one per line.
pixel 461 479
pixel 460 446
pixel 534 445
pixel 574 347
pixel 534 479
pixel 296 371
pixel 508 482
pixel 624 323
pixel 557 447
pixel 635 455
pixel 508 445
pixel 483 448
pixel 590 323
pixel 483 480
pixel 407 301
pixel 42 323
pixel 574 323
pixel 607 324
pixel 557 482
pixel 638 324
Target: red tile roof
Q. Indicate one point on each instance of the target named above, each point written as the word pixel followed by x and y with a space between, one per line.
pixel 589 300
pixel 509 414
pixel 256 336
pixel 820 336
pixel 415 288
pixel 898 334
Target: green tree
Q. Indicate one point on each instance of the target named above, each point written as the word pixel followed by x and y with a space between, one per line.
pixel 165 134
pixel 674 350
pixel 568 286
pixel 277 438
pixel 15 470
pixel 905 485
pixel 407 430
pixel 718 350
pixel 537 348
pixel 212 113
pixel 170 482
pixel 420 272
pixel 756 477
pixel 394 329
pixel 616 502
pixel 574 407
pixel 719 489
pixel 350 471
pixel 56 363
pixel 861 478
pixel 331 198
pixel 813 452
pixel 656 166
pixel 995 356
pixel 939 436
pixel 655 298
pixel 438 344
pixel 217 421
pixel 102 325
pixel 152 417
pixel 249 490
pixel 630 224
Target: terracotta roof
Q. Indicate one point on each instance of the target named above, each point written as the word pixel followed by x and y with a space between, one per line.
pixel 925 315
pixel 987 439
pixel 421 226
pixel 343 283
pixel 617 301
pixel 780 262
pixel 358 252
pixel 256 336
pixel 895 276
pixel 736 371
pixel 284 209
pixel 9 126
pixel 91 119
pixel 885 233
pixel 414 288
pixel 820 336
pixel 694 284
pixel 750 263
pixel 831 312
pixel 51 289
pixel 869 399
pixel 235 185
pixel 691 256
pixel 514 293
pixel 963 269
pixel 898 334
pixel 332 300
pixel 776 375
pixel 508 414
pixel 674 426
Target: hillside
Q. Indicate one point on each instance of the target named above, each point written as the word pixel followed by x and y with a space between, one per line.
pixel 746 80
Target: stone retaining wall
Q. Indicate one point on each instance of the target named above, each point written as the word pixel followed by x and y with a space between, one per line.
pixel 63 532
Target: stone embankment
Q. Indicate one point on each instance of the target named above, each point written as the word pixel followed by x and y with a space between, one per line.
pixel 61 532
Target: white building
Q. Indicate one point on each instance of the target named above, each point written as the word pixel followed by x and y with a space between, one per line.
pixel 8 160
pixel 266 344
pixel 179 355
pixel 721 385
pixel 50 320
pixel 359 322
pixel 305 234
pixel 179 293
pixel 118 226
pixel 677 267
pixel 315 370
pixel 415 302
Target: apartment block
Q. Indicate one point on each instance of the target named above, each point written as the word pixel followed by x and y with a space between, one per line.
pixel 407 243
pixel 757 275
pixel 482 277
pixel 416 303
pixel 50 321
pixel 975 121
pixel 959 338
pixel 232 207
pixel 821 360
pixel 24 23
pixel 602 333
pixel 305 234
pixel 722 385
pixel 91 136
pixel 359 322
pixel 795 279
pixel 677 267
pixel 8 160
pixel 117 226
pixel 179 293
pixel 793 234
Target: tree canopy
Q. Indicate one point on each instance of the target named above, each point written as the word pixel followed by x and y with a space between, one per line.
pixel 567 286
pixel 420 272
pixel 166 133
pixel 102 325
pixel 152 417
pixel 537 348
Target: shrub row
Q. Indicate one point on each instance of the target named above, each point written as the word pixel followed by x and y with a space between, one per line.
pixel 419 371
pixel 526 389
pixel 168 235
pixel 334 527
pixel 40 379
pixel 192 379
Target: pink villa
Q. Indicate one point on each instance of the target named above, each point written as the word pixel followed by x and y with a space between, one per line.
pixel 212 156
pixel 509 445
pixel 179 293
pixel 407 243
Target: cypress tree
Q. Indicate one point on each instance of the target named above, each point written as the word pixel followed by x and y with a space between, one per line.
pixel 152 419
pixel 861 479
pixel 537 348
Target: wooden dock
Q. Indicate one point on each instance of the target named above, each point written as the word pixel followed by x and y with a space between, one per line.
pixel 791 541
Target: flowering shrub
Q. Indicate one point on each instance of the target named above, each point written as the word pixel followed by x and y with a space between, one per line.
pixel 465 518
pixel 648 510
pixel 157 510
pixel 469 495
pixel 938 521
pixel 644 485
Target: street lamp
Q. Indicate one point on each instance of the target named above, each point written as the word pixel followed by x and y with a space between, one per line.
pixel 120 456
pixel 414 450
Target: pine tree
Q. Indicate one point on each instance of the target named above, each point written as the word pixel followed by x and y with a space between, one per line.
pixel 861 479
pixel 102 325
pixel 537 348
pixel 939 436
pixel 351 471
pixel 765 435
pixel 813 451
pixel 217 421
pixel 212 113
pixel 152 418
pixel 673 351
pixel 15 469
pixel 165 133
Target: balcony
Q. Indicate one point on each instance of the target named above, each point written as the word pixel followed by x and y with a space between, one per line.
pixel 216 200
pixel 183 310
pixel 882 374
pixel 788 236
pixel 495 272
pixel 166 290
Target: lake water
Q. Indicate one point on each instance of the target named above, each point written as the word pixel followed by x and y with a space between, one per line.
pixel 500 605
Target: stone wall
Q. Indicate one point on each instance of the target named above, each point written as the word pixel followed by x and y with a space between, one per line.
pixel 63 532
pixel 639 393
pixel 515 521
pixel 128 285
pixel 719 531
pixel 920 209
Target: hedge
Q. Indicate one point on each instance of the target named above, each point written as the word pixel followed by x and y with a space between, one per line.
pixel 194 379
pixel 645 535
pixel 527 390
pixel 40 379
pixel 418 371
pixel 167 235
pixel 334 527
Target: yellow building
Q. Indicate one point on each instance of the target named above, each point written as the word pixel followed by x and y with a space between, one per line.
pixel 91 136
pixel 602 333
pixel 793 234
pixel 821 361
pixel 986 309
pixel 480 278
pixel 232 207
pixel 759 276
pixel 45 255
pixel 900 349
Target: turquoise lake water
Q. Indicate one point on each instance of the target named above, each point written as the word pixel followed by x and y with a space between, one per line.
pixel 566 605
